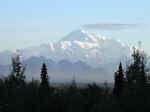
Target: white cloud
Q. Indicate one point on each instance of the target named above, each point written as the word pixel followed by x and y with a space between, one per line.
pixel 104 26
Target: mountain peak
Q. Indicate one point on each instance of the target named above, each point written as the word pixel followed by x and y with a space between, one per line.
pixel 76 35
pixel 84 36
pixel 80 45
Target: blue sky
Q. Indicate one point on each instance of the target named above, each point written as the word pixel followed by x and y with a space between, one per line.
pixel 25 23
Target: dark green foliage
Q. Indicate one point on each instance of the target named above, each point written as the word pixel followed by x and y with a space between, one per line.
pixel 92 98
pixel 119 80
pixel 44 77
pixel 16 95
pixel 17 78
pixel 137 71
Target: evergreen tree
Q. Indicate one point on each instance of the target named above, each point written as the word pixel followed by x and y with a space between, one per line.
pixel 44 76
pixel 119 80
pixel 73 86
pixel 17 77
pixel 73 83
pixel 19 70
pixel 137 71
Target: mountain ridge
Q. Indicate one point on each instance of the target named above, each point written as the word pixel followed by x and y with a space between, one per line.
pixel 78 51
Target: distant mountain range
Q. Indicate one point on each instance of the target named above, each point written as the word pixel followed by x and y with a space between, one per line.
pixel 85 55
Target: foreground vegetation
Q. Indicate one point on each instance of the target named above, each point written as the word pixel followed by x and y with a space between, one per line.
pixel 131 91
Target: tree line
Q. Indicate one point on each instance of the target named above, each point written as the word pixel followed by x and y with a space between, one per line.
pixel 131 91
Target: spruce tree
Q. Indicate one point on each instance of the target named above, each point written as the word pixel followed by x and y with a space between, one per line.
pixel 17 77
pixel 19 70
pixel 119 80
pixel 44 77
pixel 137 71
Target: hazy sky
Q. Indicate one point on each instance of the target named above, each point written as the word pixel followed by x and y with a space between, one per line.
pixel 26 23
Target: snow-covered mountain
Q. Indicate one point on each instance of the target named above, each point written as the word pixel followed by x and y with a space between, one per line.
pixel 95 50
pixel 79 51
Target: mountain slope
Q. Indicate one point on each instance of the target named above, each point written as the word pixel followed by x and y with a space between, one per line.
pixel 95 50
pixel 79 51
